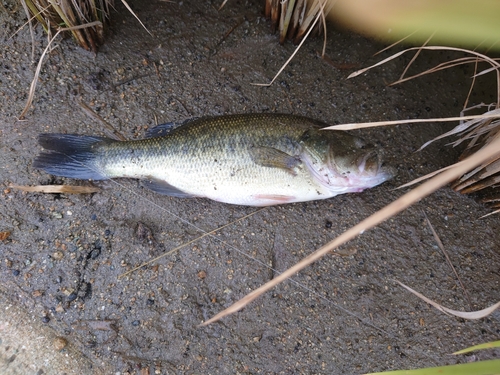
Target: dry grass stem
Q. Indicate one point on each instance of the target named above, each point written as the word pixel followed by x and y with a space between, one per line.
pixel 415 57
pixel 472 315
pixel 137 18
pixel 68 14
pixel 291 57
pixel 29 22
pixel 57 189
pixel 295 23
pixel 415 195
pixel 491 213
pixel 362 125
pixel 294 18
pixel 110 131
pixel 483 57
pixel 31 93
pixel 396 43
pixel 222 5
pixel 212 232
pixel 441 246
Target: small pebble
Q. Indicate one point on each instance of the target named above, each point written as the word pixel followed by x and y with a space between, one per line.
pixel 95 253
pixel 58 255
pixel 60 343
pixel 15 272
pixel 4 235
pixel 45 319
pixel 71 297
pixel 135 323
pixel 90 344
pixel 150 302
pixel 328 224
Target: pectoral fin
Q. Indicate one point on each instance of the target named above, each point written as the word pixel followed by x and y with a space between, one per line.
pixel 274 158
pixel 162 187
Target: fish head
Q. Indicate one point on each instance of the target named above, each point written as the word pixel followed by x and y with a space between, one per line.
pixel 343 163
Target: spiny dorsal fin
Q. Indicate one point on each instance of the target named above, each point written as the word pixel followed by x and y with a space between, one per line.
pixel 164 129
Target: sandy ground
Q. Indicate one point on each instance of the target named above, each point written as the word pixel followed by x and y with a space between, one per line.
pixel 62 267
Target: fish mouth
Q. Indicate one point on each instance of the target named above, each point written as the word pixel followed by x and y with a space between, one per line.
pixel 371 165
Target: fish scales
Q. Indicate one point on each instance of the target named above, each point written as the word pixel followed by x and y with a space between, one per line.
pixel 251 159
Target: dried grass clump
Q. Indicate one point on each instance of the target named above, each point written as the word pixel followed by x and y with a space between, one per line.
pixel 486 177
pixel 477 131
pixel 294 17
pixel 54 15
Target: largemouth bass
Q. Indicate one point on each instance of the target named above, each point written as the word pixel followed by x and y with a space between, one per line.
pixel 247 159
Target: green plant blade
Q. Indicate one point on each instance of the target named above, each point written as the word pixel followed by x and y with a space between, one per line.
pixel 486 345
pixel 491 367
pixel 458 22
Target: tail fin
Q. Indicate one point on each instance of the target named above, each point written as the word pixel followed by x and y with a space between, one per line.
pixel 70 156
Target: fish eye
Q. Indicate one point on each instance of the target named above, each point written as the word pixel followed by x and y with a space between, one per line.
pixel 359 143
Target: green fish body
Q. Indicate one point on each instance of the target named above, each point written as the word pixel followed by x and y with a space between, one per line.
pixel 247 159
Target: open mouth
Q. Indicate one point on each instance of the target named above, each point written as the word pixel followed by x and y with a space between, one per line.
pixel 370 163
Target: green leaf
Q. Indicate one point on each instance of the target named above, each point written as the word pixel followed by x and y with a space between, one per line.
pixel 491 367
pixel 486 345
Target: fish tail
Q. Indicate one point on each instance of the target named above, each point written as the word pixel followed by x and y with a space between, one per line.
pixel 70 155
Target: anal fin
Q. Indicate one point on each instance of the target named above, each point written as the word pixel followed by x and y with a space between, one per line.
pixel 272 199
pixel 163 187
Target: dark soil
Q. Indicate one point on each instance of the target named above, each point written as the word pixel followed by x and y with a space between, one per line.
pixel 64 261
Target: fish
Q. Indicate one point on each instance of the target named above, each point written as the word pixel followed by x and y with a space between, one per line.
pixel 243 159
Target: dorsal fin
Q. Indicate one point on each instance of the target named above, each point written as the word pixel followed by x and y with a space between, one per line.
pixel 161 130
pixel 164 129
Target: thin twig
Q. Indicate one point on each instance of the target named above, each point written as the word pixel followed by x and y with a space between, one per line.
pixel 26 9
pixel 471 315
pixel 31 93
pixel 415 57
pixel 294 52
pixel 440 244
pixel 438 48
pixel 189 242
pixel 362 125
pixel 137 18
pixel 112 132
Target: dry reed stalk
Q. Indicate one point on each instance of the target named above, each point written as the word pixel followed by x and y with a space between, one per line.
pixel 400 204
pixel 54 15
pixel 477 132
pixel 293 18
